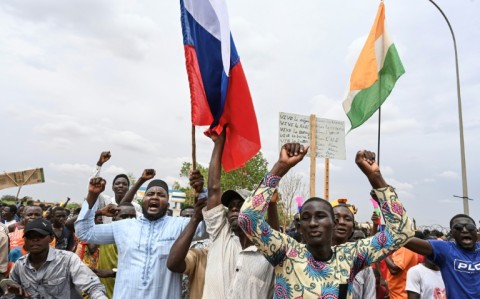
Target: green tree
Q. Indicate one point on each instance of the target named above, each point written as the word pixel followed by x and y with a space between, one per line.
pixel 246 177
pixel 131 178
pixel 8 198
pixel 73 205
pixel 189 194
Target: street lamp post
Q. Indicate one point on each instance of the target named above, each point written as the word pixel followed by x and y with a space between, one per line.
pixel 460 118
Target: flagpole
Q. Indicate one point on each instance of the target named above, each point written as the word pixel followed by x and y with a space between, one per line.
pixel 378 139
pixel 460 118
pixel 194 149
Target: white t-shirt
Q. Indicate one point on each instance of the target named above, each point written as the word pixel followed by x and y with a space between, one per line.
pixel 104 200
pixel 426 282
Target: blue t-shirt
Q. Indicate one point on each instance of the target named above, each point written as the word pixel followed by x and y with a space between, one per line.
pixel 460 269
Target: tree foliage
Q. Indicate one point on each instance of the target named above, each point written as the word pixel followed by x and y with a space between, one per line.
pixel 247 177
pixel 131 178
pixel 8 198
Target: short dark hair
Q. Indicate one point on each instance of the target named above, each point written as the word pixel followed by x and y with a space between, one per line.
pixel 126 204
pixel 13 209
pixel 186 208
pixel 58 208
pixel 122 175
pixel 330 209
pixel 460 216
pixel 419 234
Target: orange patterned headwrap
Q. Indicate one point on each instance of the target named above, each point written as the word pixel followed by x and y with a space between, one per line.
pixel 343 202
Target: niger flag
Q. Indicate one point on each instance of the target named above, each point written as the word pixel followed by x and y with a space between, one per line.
pixel 375 73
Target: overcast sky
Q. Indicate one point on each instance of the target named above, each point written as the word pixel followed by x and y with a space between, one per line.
pixel 81 76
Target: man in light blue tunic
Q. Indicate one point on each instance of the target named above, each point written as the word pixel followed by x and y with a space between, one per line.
pixel 143 243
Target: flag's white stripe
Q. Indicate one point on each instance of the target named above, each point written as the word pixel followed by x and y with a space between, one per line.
pixel 220 7
pixel 382 44
pixel 203 12
pixel 347 103
pixel 212 15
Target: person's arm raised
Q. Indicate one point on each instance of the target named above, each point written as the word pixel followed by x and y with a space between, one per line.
pixel 272 212
pixel 398 229
pixel 104 157
pixel 215 171
pixel 272 244
pixel 196 182
pixel 290 155
pixel 366 162
pixel 178 252
pixel 374 219
pixel 96 186
pixel 146 175
pixel 85 227
pixel 70 223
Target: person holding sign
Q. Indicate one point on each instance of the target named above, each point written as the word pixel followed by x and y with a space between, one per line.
pixel 316 268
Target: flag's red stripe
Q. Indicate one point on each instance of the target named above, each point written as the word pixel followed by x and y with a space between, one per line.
pixel 243 138
pixel 201 115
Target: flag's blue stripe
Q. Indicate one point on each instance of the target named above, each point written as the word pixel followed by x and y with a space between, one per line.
pixel 187 37
pixel 209 56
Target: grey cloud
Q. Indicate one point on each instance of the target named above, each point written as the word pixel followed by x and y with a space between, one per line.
pixel 98 23
pixel 69 168
pixel 69 129
pixel 448 174
pixel 132 141
pixel 114 170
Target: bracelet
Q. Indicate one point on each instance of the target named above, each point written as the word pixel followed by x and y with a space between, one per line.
pixel 271 180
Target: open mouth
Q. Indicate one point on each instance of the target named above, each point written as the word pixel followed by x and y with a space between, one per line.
pixel 467 240
pixel 154 207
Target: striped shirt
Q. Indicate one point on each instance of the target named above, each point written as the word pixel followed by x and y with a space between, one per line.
pixel 143 247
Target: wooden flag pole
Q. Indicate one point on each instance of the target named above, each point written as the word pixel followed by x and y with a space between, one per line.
pixel 194 149
pixel 313 153
pixel 327 179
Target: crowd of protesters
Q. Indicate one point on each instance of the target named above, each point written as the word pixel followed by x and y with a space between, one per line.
pixel 230 245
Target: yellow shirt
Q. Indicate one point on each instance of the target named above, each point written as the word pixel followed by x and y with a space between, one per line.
pixel 297 272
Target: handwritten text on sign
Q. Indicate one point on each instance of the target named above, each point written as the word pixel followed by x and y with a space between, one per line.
pixel 330 134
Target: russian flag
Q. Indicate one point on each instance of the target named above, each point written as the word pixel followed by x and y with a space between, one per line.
pixel 218 87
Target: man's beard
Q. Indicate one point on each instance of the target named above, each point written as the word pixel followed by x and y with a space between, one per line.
pixel 153 217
